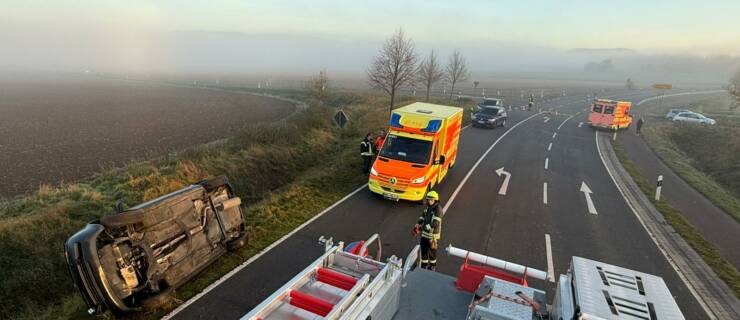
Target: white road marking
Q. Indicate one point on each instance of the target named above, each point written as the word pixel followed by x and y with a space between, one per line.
pixel 634 211
pixel 580 124
pixel 258 255
pixel 505 184
pixel 547 119
pixel 547 161
pixel 550 266
pixel 544 192
pixel 679 94
pixel 477 163
pixel 564 121
pixel 554 135
pixel 587 192
pixel 549 146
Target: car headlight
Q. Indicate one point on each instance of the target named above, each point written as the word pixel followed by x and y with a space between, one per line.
pixel 418 180
pixel 373 172
pixel 491 120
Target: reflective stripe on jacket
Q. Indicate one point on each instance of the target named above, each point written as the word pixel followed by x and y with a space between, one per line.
pixel 366 148
pixel 431 222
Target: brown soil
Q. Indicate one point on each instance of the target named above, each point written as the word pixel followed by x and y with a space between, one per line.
pixel 54 130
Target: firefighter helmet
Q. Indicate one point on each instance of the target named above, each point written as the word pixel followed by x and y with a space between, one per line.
pixel 433 195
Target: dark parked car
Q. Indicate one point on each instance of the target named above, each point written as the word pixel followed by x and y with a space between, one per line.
pixel 134 259
pixel 489 116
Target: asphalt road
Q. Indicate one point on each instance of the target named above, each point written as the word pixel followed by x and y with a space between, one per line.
pixel 511 226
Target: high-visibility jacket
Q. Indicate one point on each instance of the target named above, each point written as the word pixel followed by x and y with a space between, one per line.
pixel 366 148
pixel 431 222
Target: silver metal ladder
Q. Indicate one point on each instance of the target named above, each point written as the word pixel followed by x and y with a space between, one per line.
pixel 339 285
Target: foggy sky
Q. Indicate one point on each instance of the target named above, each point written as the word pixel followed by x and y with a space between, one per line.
pixel 666 39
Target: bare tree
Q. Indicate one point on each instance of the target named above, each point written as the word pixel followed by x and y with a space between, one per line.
pixel 394 67
pixel 457 70
pixel 319 87
pixel 430 72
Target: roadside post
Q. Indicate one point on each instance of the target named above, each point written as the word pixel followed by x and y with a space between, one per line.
pixel 659 187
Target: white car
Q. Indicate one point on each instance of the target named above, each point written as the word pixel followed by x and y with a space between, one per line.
pixel 692 117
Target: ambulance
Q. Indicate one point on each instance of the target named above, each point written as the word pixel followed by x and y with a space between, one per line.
pixel 421 146
pixel 610 114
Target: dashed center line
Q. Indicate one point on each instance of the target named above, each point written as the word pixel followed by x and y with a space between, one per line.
pixel 549 146
pixel 554 135
pixel 544 192
pixel 547 161
pixel 564 121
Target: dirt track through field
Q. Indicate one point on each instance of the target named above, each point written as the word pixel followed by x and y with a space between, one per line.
pixel 53 130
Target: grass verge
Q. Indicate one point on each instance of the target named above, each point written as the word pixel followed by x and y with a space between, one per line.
pixel 725 270
pixel 660 138
pixel 706 157
pixel 285 172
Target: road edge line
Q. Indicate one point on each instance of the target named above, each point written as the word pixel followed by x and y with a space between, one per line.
pixel 257 256
pixel 678 94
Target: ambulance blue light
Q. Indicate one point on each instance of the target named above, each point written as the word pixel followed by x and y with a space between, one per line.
pixel 396 120
pixel 433 126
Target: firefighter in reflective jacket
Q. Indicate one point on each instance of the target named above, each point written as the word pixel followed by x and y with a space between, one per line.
pixel 429 226
pixel 366 151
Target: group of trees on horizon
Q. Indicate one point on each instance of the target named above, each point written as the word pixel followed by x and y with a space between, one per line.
pixel 397 65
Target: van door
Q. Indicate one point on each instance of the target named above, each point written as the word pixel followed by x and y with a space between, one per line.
pixel 608 117
pixel 596 116
pixel 437 167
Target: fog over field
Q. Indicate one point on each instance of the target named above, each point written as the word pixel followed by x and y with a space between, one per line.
pixel 233 53
pixel 505 39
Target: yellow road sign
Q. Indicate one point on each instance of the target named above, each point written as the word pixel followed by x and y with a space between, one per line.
pixel 663 86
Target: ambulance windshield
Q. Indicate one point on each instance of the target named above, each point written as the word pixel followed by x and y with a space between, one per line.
pixel 406 149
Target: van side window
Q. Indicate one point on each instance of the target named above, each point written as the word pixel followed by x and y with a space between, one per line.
pixel 609 110
pixel 597 108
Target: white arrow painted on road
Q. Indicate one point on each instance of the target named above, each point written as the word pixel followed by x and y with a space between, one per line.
pixel 587 192
pixel 547 119
pixel 505 185
pixel 580 124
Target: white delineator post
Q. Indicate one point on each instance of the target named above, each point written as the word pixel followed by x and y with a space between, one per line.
pixel 660 186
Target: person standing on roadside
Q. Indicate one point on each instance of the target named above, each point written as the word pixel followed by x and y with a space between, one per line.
pixel 640 122
pixel 379 141
pixel 366 151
